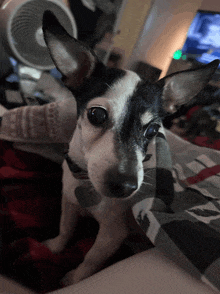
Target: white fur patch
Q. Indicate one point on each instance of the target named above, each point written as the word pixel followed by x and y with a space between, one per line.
pixel 146 117
pixel 119 95
pixel 140 175
pixel 63 58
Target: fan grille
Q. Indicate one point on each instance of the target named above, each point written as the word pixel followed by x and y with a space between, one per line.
pixel 27 24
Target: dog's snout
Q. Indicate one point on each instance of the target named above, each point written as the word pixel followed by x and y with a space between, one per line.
pixel 122 189
pixel 121 186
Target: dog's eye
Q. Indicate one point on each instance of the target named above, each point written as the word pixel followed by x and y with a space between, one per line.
pixel 97 116
pixel 151 131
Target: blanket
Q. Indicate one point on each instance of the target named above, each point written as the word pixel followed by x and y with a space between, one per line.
pixel 180 212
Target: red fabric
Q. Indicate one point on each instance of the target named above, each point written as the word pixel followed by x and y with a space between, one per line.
pixel 205 142
pixel 192 110
pixel 203 174
pixel 29 213
pixel 201 140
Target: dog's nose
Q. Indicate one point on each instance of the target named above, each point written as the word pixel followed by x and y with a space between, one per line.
pixel 122 187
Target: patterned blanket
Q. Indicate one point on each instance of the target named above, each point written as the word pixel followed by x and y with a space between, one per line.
pixel 181 213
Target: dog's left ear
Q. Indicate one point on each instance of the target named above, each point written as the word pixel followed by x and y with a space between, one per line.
pixel 181 87
pixel 74 60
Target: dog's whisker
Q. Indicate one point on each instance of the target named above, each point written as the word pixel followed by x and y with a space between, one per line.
pixel 108 85
pixel 145 183
pixel 147 172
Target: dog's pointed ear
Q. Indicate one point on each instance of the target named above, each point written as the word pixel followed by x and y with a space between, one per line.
pixel 75 61
pixel 181 87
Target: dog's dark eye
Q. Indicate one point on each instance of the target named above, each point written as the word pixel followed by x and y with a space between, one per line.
pixel 151 131
pixel 97 116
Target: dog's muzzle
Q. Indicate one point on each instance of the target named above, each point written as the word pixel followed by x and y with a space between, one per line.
pixel 120 185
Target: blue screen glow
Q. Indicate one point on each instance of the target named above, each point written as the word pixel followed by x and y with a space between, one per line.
pixel 203 38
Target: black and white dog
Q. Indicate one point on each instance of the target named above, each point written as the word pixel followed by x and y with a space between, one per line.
pixel 118 116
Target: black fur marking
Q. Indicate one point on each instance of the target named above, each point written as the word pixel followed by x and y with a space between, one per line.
pixel 72 165
pixel 51 23
pixel 147 97
pixel 160 135
pixel 97 85
pixel 86 195
pixel 77 171
pixel 147 157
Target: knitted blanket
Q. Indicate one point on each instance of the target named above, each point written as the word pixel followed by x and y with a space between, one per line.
pixel 45 130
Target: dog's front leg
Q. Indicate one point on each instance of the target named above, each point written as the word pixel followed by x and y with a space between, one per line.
pixel 70 211
pixel 108 241
pixel 68 222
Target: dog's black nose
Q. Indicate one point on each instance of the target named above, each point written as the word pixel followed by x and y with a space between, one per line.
pixel 122 187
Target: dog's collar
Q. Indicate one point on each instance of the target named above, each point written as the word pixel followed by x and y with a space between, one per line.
pixel 77 171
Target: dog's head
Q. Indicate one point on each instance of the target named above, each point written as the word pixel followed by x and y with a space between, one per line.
pixel 118 113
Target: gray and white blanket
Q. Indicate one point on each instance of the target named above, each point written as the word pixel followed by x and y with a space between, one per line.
pixel 181 213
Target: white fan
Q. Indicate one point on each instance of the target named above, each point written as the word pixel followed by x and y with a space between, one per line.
pixel 21 29
pixel 22 37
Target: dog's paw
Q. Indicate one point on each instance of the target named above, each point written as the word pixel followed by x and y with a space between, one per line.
pixel 55 245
